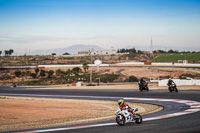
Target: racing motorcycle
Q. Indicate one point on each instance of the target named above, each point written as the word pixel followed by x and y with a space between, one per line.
pixel 172 87
pixel 123 117
pixel 143 86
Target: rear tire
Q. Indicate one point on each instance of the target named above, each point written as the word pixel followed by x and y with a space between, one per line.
pixel 120 122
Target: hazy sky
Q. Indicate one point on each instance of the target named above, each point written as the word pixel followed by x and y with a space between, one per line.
pixel 49 24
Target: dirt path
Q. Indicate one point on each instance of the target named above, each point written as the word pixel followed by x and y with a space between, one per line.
pixel 19 113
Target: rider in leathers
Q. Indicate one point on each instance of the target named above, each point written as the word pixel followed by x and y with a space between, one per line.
pixel 170 81
pixel 141 82
pixel 123 105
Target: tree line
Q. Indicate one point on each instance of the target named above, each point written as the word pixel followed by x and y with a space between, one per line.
pixel 132 50
pixel 42 73
pixel 174 51
pixel 49 74
pixel 7 52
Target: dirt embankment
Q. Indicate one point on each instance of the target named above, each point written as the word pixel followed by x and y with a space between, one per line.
pixel 124 72
pixel 17 113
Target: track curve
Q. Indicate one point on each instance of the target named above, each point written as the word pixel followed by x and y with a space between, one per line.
pixel 172 105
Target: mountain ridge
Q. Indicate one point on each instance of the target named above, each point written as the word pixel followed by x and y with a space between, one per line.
pixel 71 50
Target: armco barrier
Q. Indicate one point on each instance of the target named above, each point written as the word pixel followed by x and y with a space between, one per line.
pixel 179 82
pixel 75 65
pixel 161 64
pixel 125 63
pixel 131 63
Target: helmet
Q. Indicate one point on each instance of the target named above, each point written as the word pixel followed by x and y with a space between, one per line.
pixel 170 79
pixel 121 102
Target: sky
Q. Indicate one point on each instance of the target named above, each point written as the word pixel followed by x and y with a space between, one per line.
pixel 51 24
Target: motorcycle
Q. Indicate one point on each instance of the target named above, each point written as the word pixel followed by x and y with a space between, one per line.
pixel 123 117
pixel 143 86
pixel 172 87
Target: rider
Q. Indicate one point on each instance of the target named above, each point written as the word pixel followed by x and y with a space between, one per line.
pixel 123 105
pixel 170 82
pixel 141 82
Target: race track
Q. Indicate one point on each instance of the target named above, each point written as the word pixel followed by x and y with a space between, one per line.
pixel 175 103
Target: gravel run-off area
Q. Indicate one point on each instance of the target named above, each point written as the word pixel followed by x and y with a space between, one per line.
pixel 19 113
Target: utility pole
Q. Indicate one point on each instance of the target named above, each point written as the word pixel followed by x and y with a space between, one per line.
pixel 112 49
pixel 91 67
pixel 152 47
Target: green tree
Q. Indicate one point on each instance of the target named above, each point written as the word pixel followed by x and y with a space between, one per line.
pixel 133 50
pixel 17 73
pixel 132 79
pixel 154 51
pixel 171 51
pixel 85 67
pixel 33 75
pixel 123 50
pixel 36 71
pixel 11 51
pixel 23 73
pixel 50 73
pixel 6 52
pixel 59 72
pixel 140 52
pixel 5 77
pixel 76 70
pixel 68 72
pixel 28 73
pixel 162 51
pixel 42 73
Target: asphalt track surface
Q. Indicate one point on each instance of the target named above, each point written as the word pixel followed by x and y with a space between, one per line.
pixel 189 123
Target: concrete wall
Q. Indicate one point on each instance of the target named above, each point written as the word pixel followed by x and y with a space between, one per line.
pixel 131 63
pixel 19 67
pixel 75 65
pixel 179 82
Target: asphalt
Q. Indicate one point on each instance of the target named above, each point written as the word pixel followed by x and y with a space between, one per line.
pixel 181 124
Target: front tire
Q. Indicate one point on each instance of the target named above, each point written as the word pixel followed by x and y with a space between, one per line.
pixel 169 89
pixel 176 89
pixel 119 121
pixel 138 119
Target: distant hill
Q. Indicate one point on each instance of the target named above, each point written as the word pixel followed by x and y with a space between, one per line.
pixel 71 50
